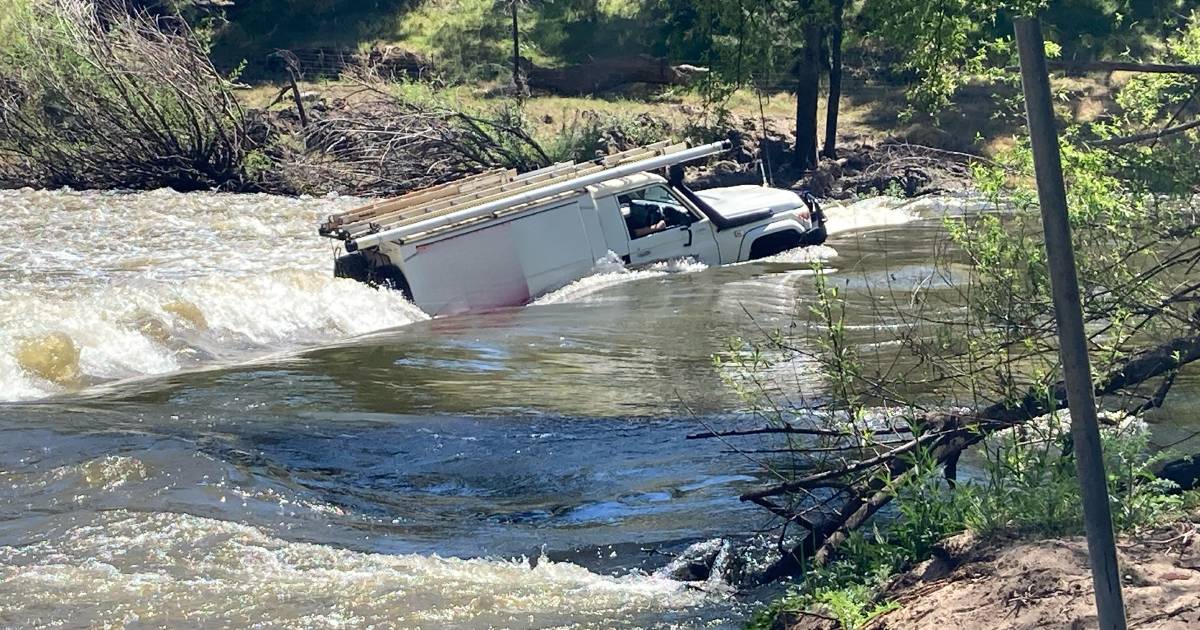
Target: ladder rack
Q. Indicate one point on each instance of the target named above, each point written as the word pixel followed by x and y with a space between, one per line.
pixel 490 194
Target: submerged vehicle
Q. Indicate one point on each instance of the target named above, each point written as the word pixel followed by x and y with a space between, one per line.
pixel 503 239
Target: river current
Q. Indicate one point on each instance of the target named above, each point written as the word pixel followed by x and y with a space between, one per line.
pixel 201 427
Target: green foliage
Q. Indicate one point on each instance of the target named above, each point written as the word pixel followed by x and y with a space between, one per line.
pixel 1119 230
pixel 740 42
pixel 585 135
pixel 839 360
pixel 255 29
pixel 1106 29
pixel 1135 244
pixel 1028 486
pixel 1031 484
pixel 1150 102
pixel 14 14
pixel 937 38
pixel 472 39
pixel 469 39
pixel 1148 98
pixel 256 165
pixel 852 606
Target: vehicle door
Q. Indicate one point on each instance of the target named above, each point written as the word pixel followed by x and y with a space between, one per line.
pixel 663 227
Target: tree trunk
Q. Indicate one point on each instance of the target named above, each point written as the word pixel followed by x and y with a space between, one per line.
pixel 808 83
pixel 835 81
pixel 518 81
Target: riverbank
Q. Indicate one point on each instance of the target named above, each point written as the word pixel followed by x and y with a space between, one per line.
pixel 1012 582
pixel 184 124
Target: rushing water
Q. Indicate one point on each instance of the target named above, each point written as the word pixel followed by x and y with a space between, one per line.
pixel 203 428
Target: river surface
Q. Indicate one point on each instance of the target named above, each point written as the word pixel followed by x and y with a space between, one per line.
pixel 200 427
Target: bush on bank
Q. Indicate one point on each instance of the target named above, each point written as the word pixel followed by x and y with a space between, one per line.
pixel 95 97
pixel 989 345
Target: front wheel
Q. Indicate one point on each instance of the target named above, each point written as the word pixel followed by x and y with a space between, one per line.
pixel 390 277
pixel 776 243
pixel 358 267
pixel 815 236
pixel 353 266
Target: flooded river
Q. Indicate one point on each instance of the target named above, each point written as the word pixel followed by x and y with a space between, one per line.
pixel 201 427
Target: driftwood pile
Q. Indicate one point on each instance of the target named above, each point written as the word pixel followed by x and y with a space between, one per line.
pixel 862 169
pixel 376 143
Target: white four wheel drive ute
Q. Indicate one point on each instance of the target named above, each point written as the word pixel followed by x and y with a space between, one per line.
pixel 502 238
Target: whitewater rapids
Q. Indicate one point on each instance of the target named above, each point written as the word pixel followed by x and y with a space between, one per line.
pixel 99 287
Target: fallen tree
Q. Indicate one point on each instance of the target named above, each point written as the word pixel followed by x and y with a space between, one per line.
pixel 601 75
pixel 865 486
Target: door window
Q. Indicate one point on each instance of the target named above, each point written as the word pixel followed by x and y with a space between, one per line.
pixel 651 210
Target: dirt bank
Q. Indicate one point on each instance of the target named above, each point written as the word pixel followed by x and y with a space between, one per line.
pixel 1017 583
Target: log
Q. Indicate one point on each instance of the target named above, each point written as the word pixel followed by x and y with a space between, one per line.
pixel 600 75
pixel 1128 66
pixel 1184 472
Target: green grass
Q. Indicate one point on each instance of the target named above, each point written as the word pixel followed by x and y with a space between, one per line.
pixel 469 39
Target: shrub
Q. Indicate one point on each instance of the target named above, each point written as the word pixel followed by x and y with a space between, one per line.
pixel 96 97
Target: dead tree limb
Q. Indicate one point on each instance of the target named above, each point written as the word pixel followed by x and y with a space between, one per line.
pixel 946 436
pixel 1149 135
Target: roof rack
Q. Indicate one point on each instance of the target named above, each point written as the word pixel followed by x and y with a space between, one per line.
pixel 488 186
pixel 494 193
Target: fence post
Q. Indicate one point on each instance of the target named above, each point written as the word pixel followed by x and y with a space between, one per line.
pixel 1085 431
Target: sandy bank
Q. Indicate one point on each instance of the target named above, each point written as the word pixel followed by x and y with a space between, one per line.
pixel 1020 583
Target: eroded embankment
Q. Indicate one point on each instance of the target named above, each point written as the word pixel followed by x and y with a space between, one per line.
pixel 1014 583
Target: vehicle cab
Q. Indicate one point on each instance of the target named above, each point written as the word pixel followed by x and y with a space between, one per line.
pixel 645 221
pixel 646 218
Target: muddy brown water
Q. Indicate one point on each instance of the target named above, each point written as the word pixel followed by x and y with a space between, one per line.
pixel 202 428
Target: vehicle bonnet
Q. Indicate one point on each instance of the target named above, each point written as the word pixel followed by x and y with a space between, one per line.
pixel 737 201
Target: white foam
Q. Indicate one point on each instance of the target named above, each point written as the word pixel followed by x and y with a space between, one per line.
pixel 172 569
pixel 867 213
pixel 610 271
pixel 155 282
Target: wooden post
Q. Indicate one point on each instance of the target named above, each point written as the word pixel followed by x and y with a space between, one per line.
pixel 1077 374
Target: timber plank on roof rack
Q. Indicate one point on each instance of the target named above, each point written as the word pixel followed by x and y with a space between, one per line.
pixel 479 219
pixel 427 208
pixel 416 197
pixel 497 193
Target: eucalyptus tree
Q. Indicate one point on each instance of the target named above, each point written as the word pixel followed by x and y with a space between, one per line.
pixel 753 42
